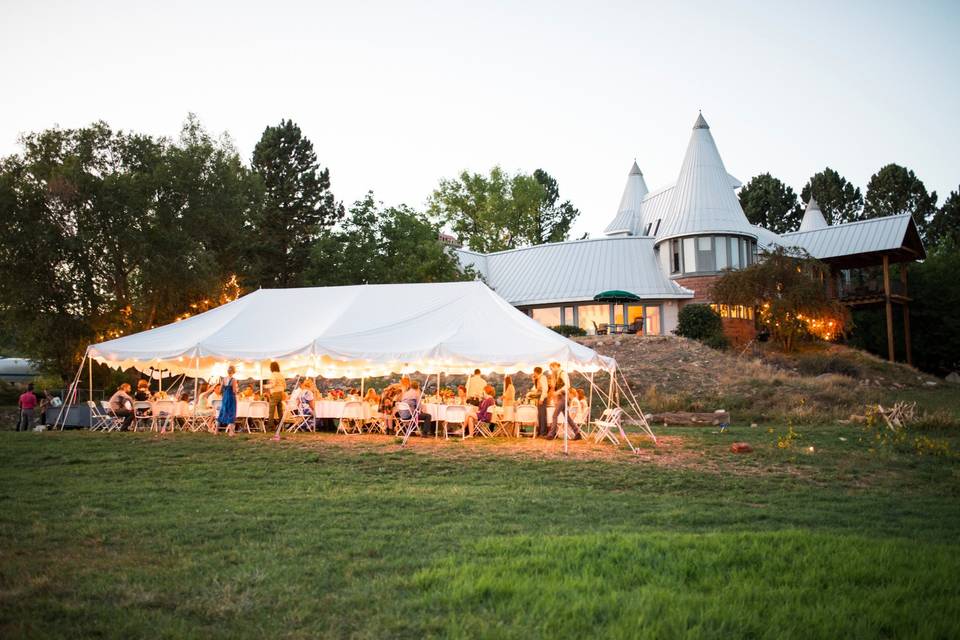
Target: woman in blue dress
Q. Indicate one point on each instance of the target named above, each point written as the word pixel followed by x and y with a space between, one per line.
pixel 228 402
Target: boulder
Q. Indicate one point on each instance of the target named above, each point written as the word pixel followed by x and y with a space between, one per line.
pixel 953 378
pixel 740 447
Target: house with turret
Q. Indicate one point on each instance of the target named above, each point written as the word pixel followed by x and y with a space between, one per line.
pixel 663 249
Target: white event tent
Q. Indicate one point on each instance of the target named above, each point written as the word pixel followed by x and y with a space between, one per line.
pixel 353 331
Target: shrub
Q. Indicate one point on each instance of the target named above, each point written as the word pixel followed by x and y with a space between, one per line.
pixel 699 322
pixel 817 364
pixel 569 330
pixel 717 341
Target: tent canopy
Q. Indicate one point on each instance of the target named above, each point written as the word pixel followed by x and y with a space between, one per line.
pixel 354 331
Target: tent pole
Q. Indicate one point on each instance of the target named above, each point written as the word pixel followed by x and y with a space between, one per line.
pixel 590 401
pixel 436 419
pixel 71 392
pixel 361 387
pixel 566 414
pixel 90 375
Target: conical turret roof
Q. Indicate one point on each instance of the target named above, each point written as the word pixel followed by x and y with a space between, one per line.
pixel 628 213
pixel 812 217
pixel 703 200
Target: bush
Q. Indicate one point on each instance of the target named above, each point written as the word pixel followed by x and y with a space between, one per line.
pixel 699 322
pixel 569 330
pixel 717 341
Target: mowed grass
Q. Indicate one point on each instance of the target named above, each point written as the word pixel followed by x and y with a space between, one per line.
pixel 129 535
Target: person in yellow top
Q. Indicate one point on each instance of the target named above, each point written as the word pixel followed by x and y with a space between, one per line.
pixel 278 392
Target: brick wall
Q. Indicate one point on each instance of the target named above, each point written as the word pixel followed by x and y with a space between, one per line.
pixel 737 330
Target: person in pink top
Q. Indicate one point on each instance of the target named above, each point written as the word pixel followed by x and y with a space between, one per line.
pixel 27 404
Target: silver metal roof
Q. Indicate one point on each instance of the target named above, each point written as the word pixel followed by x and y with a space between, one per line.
pixel 863 236
pixel 575 271
pixel 630 202
pixel 812 217
pixel 701 201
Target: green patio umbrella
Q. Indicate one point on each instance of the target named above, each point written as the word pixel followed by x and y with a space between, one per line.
pixel 616 295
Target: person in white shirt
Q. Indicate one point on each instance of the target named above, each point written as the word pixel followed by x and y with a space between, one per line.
pixel 475 387
pixel 561 388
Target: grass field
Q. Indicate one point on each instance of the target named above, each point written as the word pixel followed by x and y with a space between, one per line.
pixel 130 535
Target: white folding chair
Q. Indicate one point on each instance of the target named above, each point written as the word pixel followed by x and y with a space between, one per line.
pixel 502 417
pixel 525 415
pixel 608 425
pixel 455 415
pixel 409 424
pixel 257 414
pixel 164 414
pixel 296 419
pixel 114 422
pixel 142 412
pixel 352 418
pixel 377 422
pixel 98 420
pixel 482 428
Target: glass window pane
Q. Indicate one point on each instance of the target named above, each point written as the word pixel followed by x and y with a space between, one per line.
pixel 548 317
pixel 742 244
pixel 705 260
pixel 689 255
pixel 591 316
pixel 721 254
pixel 675 256
pixel 734 253
pixel 618 314
pixel 652 321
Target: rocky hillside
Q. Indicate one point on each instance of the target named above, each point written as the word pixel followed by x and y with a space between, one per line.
pixel 821 383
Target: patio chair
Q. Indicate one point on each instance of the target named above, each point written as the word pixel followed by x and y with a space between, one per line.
pixel 164 412
pixel 377 422
pixel 352 418
pixel 102 420
pixel 502 421
pixel 601 329
pixel 455 415
pixel 525 415
pixel 142 413
pixel 608 425
pixel 296 420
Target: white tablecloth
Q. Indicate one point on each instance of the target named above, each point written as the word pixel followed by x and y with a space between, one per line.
pixel 438 412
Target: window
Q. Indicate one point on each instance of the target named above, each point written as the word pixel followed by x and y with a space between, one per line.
pixel 721 245
pixel 651 324
pixel 705 261
pixel 646 229
pixel 742 247
pixel 657 227
pixel 591 316
pixel 675 256
pixel 689 255
pixel 733 244
pixel 548 316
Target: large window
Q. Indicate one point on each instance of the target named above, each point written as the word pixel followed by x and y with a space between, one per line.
pixel 705 260
pixel 651 321
pixel 674 256
pixel 548 316
pixel 689 255
pixel 710 254
pixel 591 316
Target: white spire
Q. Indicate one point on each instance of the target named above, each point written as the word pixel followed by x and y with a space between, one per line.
pixel 703 199
pixel 813 218
pixel 628 213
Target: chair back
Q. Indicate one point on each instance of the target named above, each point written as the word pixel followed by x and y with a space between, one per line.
pixel 165 407
pixel 353 410
pixel 403 408
pixel 456 413
pixel 216 405
pixel 259 409
pixel 93 407
pixel 142 408
pixel 525 413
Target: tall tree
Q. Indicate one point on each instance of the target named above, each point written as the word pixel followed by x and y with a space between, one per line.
pixel 501 211
pixel 554 217
pixel 839 200
pixel 383 245
pixel 770 203
pixel 298 206
pixel 894 190
pixel 943 232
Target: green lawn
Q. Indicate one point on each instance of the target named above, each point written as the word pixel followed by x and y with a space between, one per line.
pixel 129 535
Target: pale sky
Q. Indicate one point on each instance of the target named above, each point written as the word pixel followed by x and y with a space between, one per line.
pixel 396 95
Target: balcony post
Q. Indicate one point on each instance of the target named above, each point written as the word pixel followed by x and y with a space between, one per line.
pixel 886 297
pixel 906 313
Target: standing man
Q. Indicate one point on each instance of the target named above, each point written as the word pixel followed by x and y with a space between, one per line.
pixel 539 394
pixel 561 383
pixel 475 387
pixel 27 404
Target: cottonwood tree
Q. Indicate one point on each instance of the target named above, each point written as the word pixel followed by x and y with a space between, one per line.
pixel 298 206
pixel 839 200
pixel 770 203
pixel 894 190
pixel 788 288
pixel 379 245
pixel 501 211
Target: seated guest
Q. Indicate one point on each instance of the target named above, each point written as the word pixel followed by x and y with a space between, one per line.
pixel 483 413
pixel 307 401
pixel 391 396
pixel 143 391
pixel 122 405
pixel 207 398
pixel 247 393
pixel 461 395
pixel 475 385
pixel 372 397
pixel 412 398
pixel 509 393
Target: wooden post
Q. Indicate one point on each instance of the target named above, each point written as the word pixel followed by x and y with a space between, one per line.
pixel 889 305
pixel 906 314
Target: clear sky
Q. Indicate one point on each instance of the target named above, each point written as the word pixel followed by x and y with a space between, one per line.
pixel 396 95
